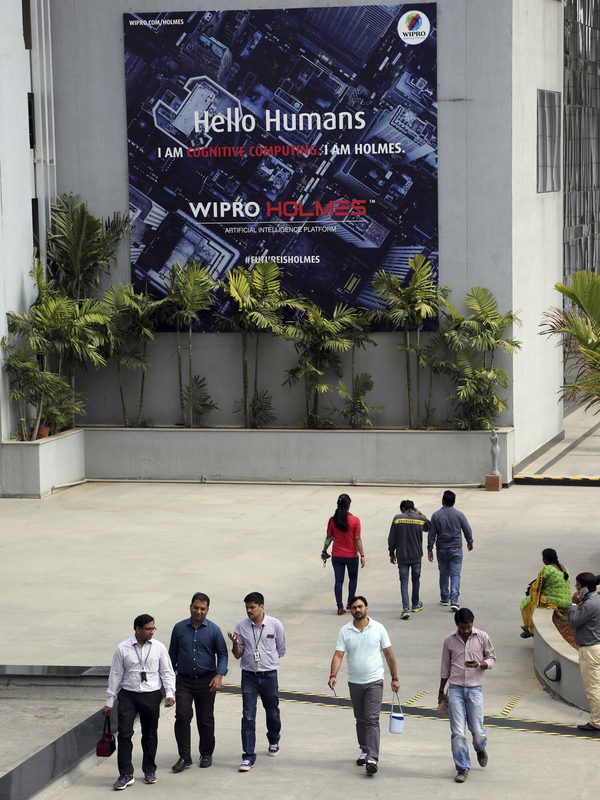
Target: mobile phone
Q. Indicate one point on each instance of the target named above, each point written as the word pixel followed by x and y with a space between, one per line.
pixel 583 591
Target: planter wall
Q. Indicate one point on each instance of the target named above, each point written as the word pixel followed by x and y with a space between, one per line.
pixel 31 469
pixel 548 646
pixel 295 455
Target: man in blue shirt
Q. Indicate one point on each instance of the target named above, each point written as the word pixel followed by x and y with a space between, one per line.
pixel 199 655
pixel 445 533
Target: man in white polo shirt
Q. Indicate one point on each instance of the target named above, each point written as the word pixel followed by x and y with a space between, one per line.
pixel 364 640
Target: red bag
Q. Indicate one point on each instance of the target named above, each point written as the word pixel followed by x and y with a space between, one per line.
pixel 107 745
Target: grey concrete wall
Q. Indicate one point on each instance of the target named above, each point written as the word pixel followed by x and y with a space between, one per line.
pixel 31 469
pixel 395 457
pixel 549 645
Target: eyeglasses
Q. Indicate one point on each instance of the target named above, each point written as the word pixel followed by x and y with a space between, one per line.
pixel 150 630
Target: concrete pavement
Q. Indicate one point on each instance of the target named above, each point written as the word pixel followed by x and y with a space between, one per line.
pixel 79 566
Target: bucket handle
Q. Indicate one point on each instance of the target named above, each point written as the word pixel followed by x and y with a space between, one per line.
pixel 395 694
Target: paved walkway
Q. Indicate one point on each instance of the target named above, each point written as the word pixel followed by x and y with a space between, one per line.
pixel 77 568
pixel 577 455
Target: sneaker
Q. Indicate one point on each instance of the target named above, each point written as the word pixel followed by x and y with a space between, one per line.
pixel 482 758
pixel 405 614
pixel 444 602
pixel 341 611
pixel 454 607
pixel 371 766
pixel 123 781
pixel 150 777
pixel 461 775
pixel 418 607
pixel 362 759
pixel 246 765
pixel 273 750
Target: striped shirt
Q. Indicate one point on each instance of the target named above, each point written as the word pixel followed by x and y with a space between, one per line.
pixel 268 639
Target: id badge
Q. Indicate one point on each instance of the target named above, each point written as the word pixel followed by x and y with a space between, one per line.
pixel 256 655
pixel 143 677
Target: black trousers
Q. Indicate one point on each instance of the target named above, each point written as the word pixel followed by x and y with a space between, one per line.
pixel 147 705
pixel 195 692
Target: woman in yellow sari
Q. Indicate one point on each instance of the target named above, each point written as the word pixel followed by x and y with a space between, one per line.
pixel 551 589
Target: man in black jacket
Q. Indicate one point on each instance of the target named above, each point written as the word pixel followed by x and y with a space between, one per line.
pixel 405 545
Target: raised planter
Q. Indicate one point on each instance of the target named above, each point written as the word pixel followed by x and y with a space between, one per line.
pixel 32 469
pixel 340 456
pixel 548 646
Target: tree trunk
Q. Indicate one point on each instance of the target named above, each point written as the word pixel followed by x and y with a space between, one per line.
pixel 139 420
pixel 418 375
pixel 38 418
pixel 190 410
pixel 411 416
pixel 72 385
pixel 181 399
pixel 121 391
pixel 245 379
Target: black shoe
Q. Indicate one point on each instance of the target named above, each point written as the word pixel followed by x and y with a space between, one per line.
pixel 371 767
pixel 461 775
pixel 182 764
pixel 205 761
pixel 482 758
pixel 362 759
pixel 589 728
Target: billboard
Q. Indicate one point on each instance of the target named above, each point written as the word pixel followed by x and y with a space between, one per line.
pixel 304 135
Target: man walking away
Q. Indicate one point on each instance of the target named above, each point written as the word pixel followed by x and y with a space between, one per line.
pixel 466 655
pixel 199 654
pixel 445 533
pixel 584 616
pixel 364 640
pixel 140 668
pixel 405 545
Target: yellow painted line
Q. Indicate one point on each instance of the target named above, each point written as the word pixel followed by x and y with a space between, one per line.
pixel 415 698
pixel 509 706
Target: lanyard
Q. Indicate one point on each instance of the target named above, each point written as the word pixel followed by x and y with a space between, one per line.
pixel 143 666
pixel 262 627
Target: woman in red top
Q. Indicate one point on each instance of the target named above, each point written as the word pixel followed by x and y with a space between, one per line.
pixel 344 530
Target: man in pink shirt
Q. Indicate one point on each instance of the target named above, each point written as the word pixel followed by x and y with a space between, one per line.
pixel 466 655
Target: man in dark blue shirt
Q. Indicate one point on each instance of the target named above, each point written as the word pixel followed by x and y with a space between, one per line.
pixel 199 655
pixel 445 533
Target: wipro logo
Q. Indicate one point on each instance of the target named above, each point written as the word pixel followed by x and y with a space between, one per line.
pixel 413 27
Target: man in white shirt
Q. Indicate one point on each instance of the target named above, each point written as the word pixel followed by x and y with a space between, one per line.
pixel 364 640
pixel 140 669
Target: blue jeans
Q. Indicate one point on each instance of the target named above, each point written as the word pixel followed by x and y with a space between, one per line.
pixel 404 570
pixel 449 564
pixel 465 703
pixel 254 686
pixel 339 565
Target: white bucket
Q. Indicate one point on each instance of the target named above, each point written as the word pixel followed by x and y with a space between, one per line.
pixel 396 717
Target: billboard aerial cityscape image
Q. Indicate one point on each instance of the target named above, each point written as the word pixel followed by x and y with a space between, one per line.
pixel 307 136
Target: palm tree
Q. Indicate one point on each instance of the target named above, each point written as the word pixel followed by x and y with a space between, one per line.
pixel 578 329
pixel 190 293
pixel 464 348
pixel 81 248
pixel 134 320
pixel 319 342
pixel 256 303
pixel 409 305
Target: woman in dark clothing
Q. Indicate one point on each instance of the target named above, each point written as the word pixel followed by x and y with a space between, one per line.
pixel 343 529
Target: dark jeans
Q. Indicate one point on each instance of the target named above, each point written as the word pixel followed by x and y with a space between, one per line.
pixel 147 705
pixel 195 692
pixel 265 686
pixel 404 570
pixel 339 568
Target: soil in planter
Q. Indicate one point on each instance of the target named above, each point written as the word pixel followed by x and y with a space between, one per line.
pixel 562 626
